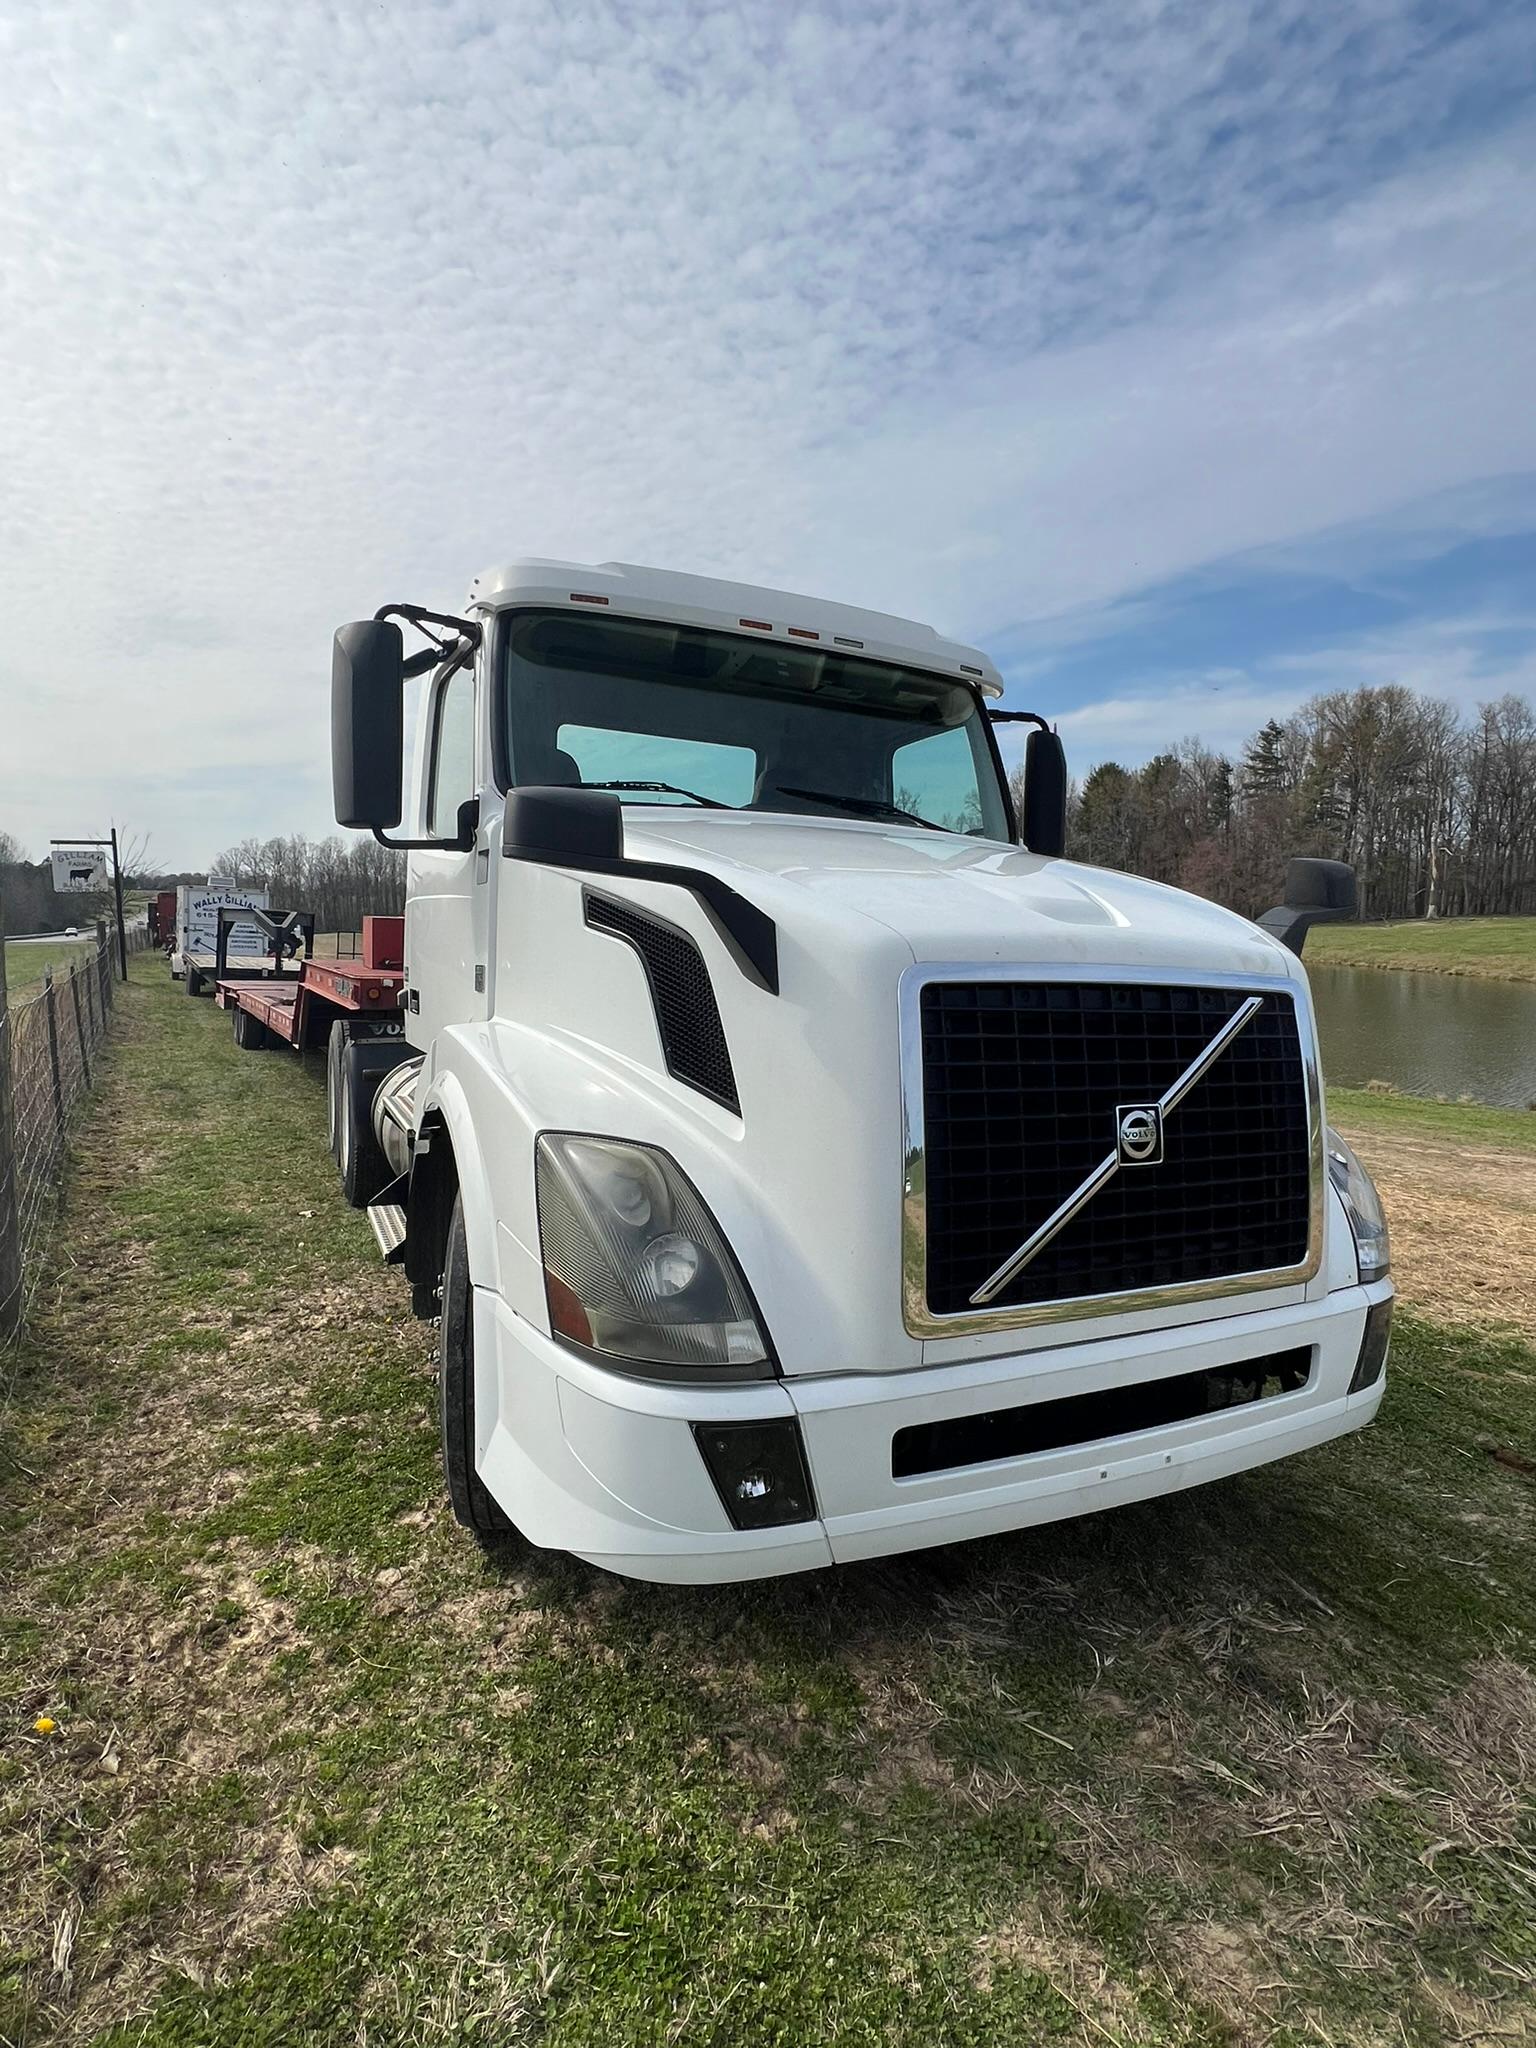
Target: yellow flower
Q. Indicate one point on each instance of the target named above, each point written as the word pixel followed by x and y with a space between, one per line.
pixel 44 1725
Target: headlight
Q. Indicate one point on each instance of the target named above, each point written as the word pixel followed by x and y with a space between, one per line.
pixel 1362 1204
pixel 634 1265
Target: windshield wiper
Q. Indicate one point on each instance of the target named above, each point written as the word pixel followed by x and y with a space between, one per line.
pixel 862 806
pixel 710 803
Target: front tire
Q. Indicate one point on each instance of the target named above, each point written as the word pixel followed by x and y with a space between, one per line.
pixel 472 1504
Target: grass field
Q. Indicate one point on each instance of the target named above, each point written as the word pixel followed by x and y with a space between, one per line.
pixel 1491 948
pixel 26 963
pixel 1253 1764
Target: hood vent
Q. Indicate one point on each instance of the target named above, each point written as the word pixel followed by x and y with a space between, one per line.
pixel 687 1015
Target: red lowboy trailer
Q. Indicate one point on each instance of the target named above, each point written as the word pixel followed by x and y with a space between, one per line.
pixel 354 1008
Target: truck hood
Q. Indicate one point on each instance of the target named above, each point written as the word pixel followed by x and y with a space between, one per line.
pixel 951 898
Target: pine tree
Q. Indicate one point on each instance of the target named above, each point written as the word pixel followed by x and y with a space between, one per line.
pixel 1265 772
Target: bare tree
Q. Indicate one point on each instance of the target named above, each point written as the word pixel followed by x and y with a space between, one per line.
pixel 1437 818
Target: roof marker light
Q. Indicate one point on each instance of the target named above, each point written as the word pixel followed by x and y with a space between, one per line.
pixel 965 671
pixel 838 640
pixel 586 597
pixel 757 625
pixel 802 633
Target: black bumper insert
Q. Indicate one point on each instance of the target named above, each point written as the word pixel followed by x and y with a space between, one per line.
pixel 1086 1418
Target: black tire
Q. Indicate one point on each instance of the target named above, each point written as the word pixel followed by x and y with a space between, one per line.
pixel 251 1035
pixel 471 1504
pixel 191 982
pixel 360 1161
pixel 335 1046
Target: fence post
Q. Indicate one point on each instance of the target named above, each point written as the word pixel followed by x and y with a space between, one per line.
pixel 51 1008
pixel 85 1056
pixel 10 1193
pixel 104 969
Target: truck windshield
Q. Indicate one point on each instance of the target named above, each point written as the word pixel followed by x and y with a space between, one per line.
pixel 684 715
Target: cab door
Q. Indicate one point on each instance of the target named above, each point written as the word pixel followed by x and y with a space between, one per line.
pixel 444 939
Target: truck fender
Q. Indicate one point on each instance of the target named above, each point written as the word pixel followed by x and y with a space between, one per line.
pixel 448 1157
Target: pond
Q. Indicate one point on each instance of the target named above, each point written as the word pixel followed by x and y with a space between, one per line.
pixel 1428 1034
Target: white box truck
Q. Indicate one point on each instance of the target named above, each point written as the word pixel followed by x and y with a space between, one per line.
pixel 807 1161
pixel 197 930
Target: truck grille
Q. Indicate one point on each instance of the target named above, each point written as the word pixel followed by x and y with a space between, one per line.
pixel 1021 1084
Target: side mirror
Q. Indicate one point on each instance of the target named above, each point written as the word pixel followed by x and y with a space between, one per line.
pixel 1044 823
pixel 1316 892
pixel 368 724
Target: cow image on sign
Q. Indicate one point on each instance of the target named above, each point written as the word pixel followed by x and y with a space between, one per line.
pixel 78 870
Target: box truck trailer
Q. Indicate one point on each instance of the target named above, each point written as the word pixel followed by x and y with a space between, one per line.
pixel 807 1161
pixel 197 931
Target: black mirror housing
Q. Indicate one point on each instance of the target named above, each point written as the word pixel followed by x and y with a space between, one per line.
pixel 1044 823
pixel 368 724
pixel 1316 892
pixel 557 823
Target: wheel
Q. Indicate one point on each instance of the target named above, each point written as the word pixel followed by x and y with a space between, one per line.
pixel 471 1503
pixel 335 1046
pixel 364 1169
pixel 191 982
pixel 251 1035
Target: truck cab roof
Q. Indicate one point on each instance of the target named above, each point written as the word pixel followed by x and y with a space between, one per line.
pixel 632 590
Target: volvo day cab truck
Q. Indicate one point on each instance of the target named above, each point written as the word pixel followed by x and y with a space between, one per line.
pixel 807 1161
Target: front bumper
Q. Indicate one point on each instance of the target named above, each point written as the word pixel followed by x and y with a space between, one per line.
pixel 589 1461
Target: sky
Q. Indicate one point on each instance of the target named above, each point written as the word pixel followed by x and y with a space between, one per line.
pixel 1181 355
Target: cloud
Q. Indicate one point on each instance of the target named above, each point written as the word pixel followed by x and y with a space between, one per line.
pixel 1464 661
pixel 984 314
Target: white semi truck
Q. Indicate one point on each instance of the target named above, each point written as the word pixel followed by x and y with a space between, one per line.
pixel 806 1160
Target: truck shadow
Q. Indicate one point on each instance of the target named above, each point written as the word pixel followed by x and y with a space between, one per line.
pixel 1273 1542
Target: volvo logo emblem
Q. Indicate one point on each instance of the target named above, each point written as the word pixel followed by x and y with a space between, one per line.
pixel 1138 1134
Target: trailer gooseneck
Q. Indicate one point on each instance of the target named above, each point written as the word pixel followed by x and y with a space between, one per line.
pixel 808 1161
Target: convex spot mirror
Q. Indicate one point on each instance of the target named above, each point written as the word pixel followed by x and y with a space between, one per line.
pixel 1316 892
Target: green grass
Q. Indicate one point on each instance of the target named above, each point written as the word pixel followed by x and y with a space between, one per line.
pixel 25 964
pixel 1492 948
pixel 1413 1116
pixel 1252 1763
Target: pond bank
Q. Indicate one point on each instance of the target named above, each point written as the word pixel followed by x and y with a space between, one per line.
pixel 1482 948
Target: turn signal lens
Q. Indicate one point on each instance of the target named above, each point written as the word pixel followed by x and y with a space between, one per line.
pixel 634 1264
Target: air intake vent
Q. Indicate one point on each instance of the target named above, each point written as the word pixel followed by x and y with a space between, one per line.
pixel 687 1015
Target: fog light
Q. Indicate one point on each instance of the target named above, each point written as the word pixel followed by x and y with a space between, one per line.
pixel 1373 1347
pixel 759 1471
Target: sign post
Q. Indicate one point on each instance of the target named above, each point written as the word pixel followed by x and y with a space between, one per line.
pixel 79 869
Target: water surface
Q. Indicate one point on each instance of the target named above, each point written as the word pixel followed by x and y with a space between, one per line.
pixel 1428 1034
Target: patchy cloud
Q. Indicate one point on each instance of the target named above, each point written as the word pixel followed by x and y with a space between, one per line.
pixel 989 314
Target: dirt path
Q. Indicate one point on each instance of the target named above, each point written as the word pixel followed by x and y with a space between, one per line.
pixel 1463 1223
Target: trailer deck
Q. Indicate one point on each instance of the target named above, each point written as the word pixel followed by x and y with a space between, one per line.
pixel 298 1008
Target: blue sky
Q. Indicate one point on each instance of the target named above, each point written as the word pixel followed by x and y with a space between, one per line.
pixel 1179 354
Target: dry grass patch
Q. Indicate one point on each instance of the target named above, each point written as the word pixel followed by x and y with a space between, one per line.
pixel 1463 1221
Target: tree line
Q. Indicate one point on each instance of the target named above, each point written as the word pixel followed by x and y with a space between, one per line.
pixel 341 880
pixel 1436 814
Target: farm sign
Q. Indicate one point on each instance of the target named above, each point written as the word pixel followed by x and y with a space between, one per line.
pixel 78 870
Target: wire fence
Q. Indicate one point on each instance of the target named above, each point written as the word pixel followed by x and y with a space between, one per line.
pixel 50 1043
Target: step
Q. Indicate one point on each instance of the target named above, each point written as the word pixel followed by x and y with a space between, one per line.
pixel 387 1220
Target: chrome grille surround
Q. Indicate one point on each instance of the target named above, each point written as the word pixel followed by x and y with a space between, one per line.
pixel 919 1319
